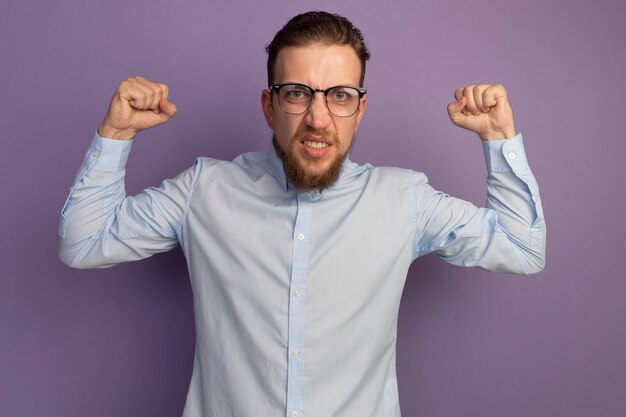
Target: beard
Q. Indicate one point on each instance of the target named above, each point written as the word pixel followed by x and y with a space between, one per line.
pixel 297 175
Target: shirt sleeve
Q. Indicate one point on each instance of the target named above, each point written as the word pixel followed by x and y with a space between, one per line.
pixel 508 235
pixel 101 227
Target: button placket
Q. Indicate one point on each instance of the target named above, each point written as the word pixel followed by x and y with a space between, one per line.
pixel 296 319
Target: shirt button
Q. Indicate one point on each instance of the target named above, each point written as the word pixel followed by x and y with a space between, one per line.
pixel 300 236
pixel 535 198
pixel 94 153
pixel 295 353
pixel 294 413
pixel 512 155
pixel 297 292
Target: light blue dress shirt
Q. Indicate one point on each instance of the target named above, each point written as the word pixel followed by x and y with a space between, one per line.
pixel 296 294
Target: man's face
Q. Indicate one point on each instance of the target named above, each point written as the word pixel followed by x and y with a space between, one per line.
pixel 314 144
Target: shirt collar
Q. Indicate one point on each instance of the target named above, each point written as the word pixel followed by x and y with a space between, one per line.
pixel 276 165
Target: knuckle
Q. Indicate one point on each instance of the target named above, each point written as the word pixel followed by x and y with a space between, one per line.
pixel 130 82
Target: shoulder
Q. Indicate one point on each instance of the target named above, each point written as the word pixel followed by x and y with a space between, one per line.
pixel 245 168
pixel 243 162
pixel 384 176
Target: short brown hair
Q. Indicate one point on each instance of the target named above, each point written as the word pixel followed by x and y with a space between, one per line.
pixel 317 26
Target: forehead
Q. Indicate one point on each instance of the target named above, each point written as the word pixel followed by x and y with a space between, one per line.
pixel 318 65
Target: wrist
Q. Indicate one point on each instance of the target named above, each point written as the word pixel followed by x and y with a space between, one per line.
pixel 507 133
pixel 106 131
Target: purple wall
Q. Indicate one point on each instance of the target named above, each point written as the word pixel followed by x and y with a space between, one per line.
pixel 120 342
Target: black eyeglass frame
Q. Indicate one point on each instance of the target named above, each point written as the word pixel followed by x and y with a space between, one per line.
pixel 276 89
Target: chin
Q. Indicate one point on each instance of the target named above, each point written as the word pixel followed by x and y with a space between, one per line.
pixel 315 169
pixel 307 175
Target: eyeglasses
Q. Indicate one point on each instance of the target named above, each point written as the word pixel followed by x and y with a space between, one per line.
pixel 342 101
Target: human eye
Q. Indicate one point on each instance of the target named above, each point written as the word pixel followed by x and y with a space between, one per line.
pixel 296 93
pixel 342 94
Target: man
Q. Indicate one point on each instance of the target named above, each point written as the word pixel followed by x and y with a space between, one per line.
pixel 298 256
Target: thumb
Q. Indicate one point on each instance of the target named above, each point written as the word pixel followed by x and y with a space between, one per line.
pixel 168 109
pixel 455 110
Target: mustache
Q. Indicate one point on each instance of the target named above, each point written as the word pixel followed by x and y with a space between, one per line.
pixel 309 131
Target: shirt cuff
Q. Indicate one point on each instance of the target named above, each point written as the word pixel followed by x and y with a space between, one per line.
pixel 505 154
pixel 108 155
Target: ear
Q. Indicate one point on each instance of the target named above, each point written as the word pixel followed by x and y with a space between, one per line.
pixel 266 106
pixel 360 113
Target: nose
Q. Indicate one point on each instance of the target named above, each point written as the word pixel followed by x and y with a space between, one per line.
pixel 318 115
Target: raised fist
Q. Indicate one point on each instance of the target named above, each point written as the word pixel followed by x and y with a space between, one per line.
pixel 484 109
pixel 137 104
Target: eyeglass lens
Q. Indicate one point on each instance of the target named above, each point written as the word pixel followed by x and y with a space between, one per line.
pixel 296 99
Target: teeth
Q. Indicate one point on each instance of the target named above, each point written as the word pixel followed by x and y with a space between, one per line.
pixel 315 145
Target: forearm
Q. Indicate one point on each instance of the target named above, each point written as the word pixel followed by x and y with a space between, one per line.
pixel 515 200
pixel 513 193
pixel 96 192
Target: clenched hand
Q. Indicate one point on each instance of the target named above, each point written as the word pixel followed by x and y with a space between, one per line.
pixel 484 109
pixel 137 104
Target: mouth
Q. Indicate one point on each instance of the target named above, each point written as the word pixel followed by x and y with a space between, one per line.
pixel 316 147
pixel 315 144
